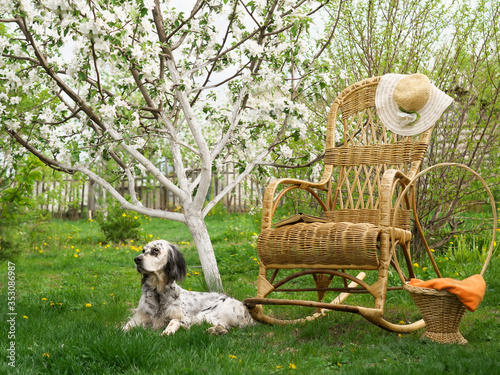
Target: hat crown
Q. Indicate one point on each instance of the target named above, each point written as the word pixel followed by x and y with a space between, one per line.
pixel 412 92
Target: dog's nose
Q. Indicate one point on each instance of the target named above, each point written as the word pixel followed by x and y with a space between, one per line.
pixel 138 259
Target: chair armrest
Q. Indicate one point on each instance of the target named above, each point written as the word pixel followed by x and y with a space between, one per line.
pixel 269 203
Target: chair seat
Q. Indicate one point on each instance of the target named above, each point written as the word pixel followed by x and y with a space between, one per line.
pixel 320 245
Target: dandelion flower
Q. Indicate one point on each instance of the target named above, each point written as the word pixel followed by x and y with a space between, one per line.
pixel 292 366
pixel 46 355
pixel 415 265
pixel 150 236
pixel 232 356
pixel 124 215
pixel 401 322
pixel 25 317
pixel 425 268
pixel 40 251
pixel 432 250
pixel 88 305
pixel 278 367
pixel 76 255
pixel 44 299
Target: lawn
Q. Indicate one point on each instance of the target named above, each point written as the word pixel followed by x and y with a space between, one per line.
pixel 74 291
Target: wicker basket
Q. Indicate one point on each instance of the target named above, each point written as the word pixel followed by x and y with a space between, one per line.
pixel 442 312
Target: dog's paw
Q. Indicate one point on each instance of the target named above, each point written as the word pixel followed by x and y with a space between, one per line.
pixel 126 328
pixel 168 332
pixel 172 327
pixel 217 330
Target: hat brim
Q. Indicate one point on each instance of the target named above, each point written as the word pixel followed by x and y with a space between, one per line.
pixel 388 110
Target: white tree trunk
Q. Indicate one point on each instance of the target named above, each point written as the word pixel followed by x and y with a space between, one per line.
pixel 199 231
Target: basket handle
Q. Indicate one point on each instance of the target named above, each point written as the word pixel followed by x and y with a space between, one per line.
pixel 492 201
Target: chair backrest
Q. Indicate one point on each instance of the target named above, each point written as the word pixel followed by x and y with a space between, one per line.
pixel 367 150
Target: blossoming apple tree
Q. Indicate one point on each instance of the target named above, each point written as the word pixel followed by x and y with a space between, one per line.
pixel 200 83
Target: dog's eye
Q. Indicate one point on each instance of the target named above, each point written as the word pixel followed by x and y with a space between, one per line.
pixel 155 251
pixel 143 251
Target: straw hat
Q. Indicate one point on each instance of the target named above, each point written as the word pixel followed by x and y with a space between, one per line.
pixel 409 104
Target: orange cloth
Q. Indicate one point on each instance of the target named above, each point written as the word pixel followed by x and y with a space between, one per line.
pixel 470 291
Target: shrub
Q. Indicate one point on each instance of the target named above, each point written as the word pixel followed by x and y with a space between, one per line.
pixel 118 225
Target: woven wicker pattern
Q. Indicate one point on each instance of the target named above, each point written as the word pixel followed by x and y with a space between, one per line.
pixel 442 313
pixel 391 154
pixel 368 216
pixel 343 245
pixel 368 150
pixel 361 96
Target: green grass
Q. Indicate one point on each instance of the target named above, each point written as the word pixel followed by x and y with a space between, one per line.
pixel 74 291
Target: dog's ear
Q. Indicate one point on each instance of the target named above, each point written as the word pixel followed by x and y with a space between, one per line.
pixel 175 269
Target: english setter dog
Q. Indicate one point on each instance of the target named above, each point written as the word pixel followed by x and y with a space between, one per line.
pixel 164 303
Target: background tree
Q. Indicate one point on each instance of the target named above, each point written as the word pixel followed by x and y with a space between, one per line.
pixel 456 44
pixel 129 82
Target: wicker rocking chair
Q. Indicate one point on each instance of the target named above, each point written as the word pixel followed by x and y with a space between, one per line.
pixel 361 234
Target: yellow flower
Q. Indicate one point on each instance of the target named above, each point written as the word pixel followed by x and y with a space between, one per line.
pixel 25 317
pixel 44 299
pixel 150 236
pixel 46 355
pixel 40 251
pixel 432 250
pixel 77 250
pixel 292 366
pixel 401 322
pixel 423 269
pixel 400 335
pixel 232 356
pixel 88 305
pixel 135 217
pixel 76 255
pixel 278 367
pixel 415 265
pixel 124 215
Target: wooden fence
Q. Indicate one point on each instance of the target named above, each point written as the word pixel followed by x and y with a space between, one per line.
pixel 74 199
